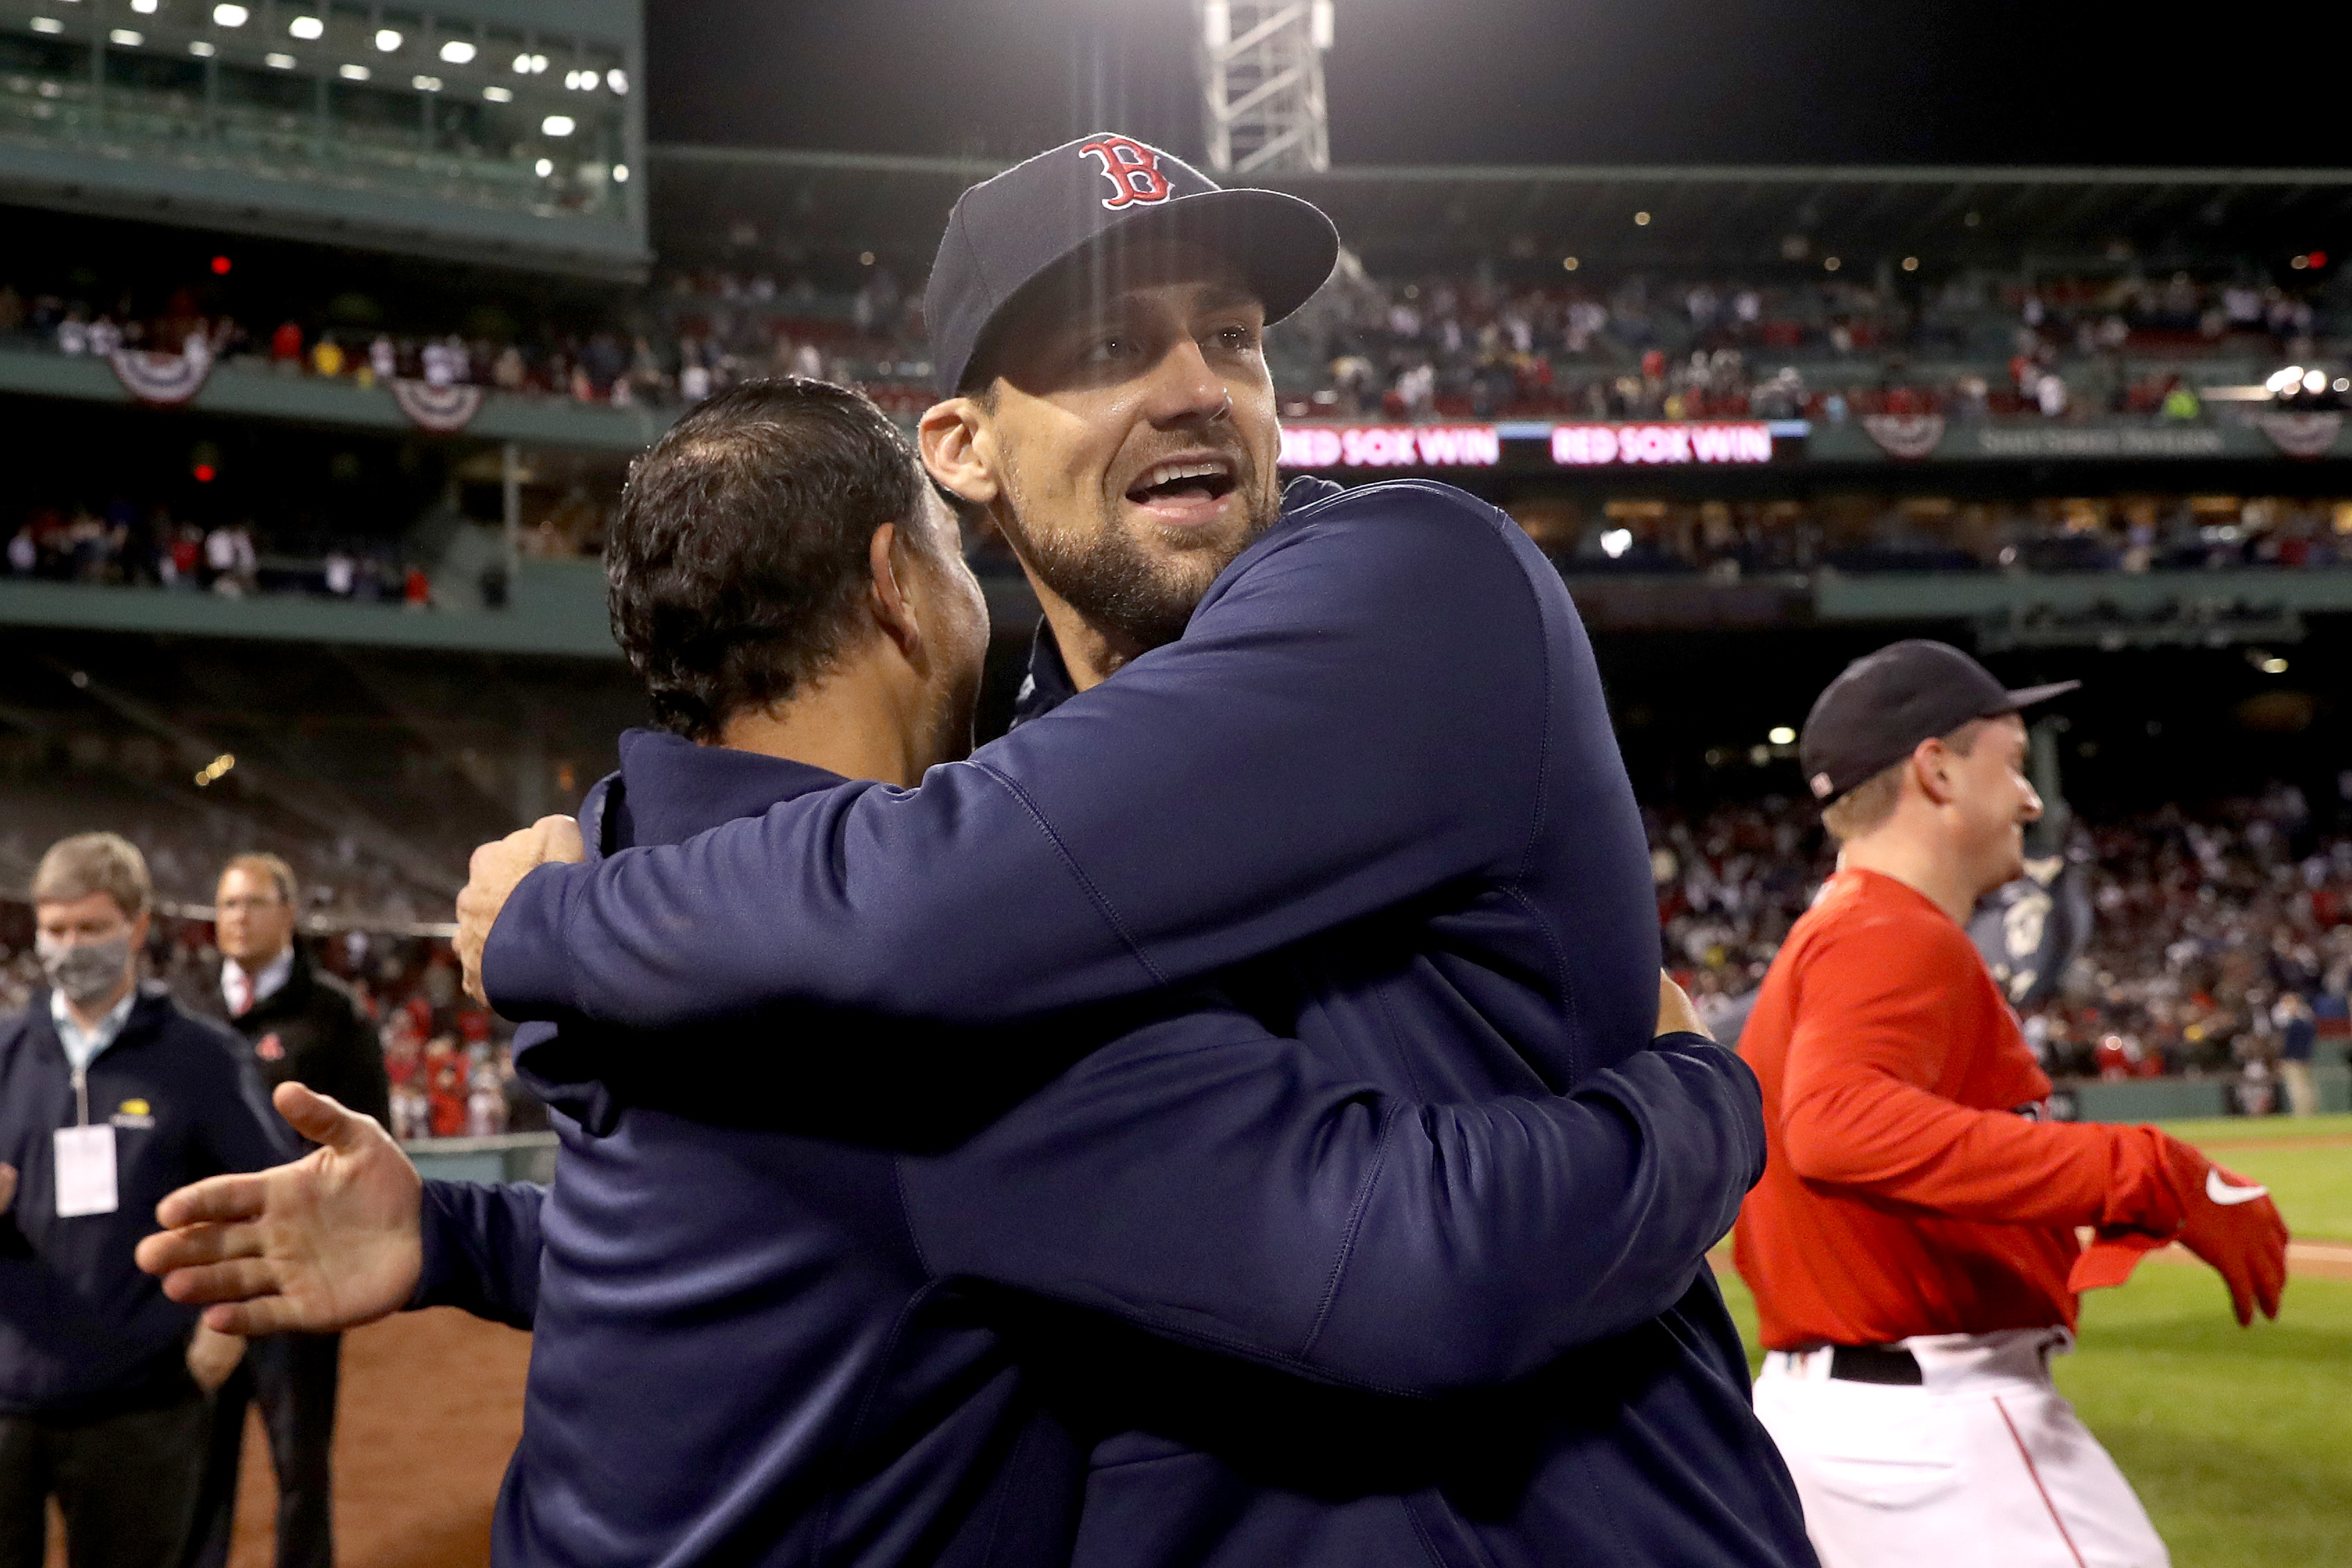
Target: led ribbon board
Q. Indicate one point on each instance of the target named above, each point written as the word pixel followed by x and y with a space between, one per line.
pixel 1592 446
pixel 1392 447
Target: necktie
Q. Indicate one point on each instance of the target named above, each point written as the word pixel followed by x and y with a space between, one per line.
pixel 240 993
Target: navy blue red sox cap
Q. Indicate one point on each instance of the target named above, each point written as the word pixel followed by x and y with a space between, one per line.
pixel 1007 232
pixel 1884 703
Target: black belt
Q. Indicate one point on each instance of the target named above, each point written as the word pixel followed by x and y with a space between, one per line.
pixel 1875 1364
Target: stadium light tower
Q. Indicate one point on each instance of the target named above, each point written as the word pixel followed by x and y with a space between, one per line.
pixel 1262 85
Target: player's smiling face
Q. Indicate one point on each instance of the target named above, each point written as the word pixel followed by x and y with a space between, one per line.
pixel 1994 797
pixel 1128 443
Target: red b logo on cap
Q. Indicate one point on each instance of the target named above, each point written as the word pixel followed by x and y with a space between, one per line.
pixel 1133 170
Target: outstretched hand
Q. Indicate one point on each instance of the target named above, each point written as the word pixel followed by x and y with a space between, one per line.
pixel 490 879
pixel 331 1241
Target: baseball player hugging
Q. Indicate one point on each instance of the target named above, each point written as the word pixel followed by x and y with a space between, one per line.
pixel 1912 1246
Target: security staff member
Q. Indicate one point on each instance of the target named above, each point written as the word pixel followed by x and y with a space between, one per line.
pixel 110 1096
pixel 306 1028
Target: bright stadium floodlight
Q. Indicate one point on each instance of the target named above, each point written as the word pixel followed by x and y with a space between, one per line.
pixel 424 83
pixel 126 38
pixel 557 125
pixel 201 49
pixel 2281 381
pixel 231 16
pixel 620 173
pixel 47 24
pixel 618 80
pixel 278 62
pixel 544 167
pixel 388 40
pixel 1616 542
pixel 1781 734
pixel 310 29
pixel 147 9
pixel 497 94
pixel 457 52
pixel 354 73
pixel 2314 381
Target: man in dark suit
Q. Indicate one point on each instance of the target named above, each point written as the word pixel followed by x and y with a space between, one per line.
pixel 306 1028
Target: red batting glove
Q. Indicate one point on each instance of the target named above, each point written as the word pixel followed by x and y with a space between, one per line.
pixel 2226 1219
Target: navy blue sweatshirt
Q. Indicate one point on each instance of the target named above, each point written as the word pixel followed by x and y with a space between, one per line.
pixel 82 1332
pixel 1374 793
pixel 1198 1180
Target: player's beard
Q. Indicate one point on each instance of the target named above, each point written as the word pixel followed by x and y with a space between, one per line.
pixel 1138 600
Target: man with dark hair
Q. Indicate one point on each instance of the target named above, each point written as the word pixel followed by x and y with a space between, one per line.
pixel 794 1344
pixel 1344 755
pixel 301 1027
pixel 110 1096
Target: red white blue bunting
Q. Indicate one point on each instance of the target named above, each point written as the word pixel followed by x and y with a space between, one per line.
pixel 443 410
pixel 162 379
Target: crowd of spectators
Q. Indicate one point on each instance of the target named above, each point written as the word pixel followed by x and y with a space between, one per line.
pixel 694 335
pixel 121 542
pixel 1859 533
pixel 2221 946
pixel 1972 349
pixel 1639 346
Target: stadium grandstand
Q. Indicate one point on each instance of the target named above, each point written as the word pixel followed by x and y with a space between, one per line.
pixel 329 333
pixel 327 500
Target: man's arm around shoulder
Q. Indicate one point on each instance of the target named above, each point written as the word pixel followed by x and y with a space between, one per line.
pixel 1389 653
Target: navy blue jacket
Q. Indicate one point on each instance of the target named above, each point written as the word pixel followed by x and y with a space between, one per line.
pixel 1374 793
pixel 83 1332
pixel 1197 1179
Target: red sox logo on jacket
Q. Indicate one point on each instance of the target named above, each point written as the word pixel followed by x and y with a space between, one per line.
pixel 1133 170
pixel 269 1048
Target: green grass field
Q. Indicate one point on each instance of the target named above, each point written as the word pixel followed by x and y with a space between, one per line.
pixel 2239 1440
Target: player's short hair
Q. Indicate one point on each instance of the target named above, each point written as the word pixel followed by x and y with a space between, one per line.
pixel 1869 803
pixel 261 863
pixel 739 564
pixel 85 863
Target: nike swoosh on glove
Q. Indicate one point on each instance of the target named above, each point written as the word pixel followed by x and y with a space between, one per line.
pixel 2227 1220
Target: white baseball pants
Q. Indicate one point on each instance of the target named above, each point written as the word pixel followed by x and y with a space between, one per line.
pixel 1982 1465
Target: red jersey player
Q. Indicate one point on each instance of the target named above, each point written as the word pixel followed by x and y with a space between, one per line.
pixel 1912 1246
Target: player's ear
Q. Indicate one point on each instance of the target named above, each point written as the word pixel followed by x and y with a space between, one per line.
pixel 1931 765
pixel 890 598
pixel 959 448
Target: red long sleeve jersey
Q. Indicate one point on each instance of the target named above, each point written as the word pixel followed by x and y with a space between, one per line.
pixel 1902 1193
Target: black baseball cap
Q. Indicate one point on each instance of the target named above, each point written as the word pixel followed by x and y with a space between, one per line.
pixel 1006 231
pixel 1884 703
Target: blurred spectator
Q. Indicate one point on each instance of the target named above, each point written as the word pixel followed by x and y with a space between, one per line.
pixel 305 1028
pixel 2298 1031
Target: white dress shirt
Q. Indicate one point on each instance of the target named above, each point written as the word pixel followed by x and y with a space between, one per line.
pixel 266 984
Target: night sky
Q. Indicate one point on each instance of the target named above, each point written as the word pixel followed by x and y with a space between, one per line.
pixel 1506 81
